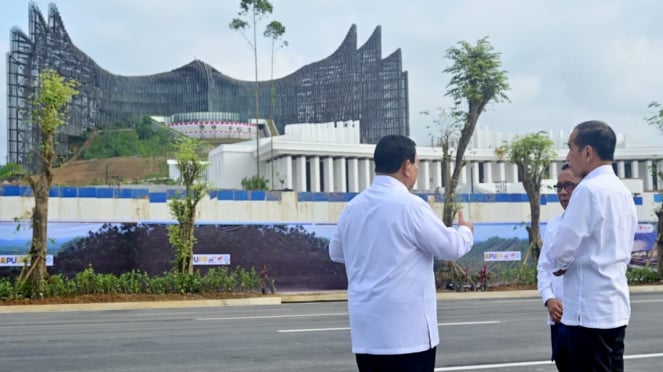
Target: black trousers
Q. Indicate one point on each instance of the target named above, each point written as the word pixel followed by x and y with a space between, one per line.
pixel 560 350
pixel 423 361
pixel 596 350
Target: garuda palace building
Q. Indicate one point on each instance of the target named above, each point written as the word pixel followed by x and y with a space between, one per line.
pixel 352 84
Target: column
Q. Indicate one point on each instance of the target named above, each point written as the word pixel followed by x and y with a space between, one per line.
pixel 649 177
pixel 501 169
pixel 463 175
pixel 364 173
pixel 621 172
pixel 339 175
pixel 553 171
pixel 514 173
pixel 300 173
pixel 635 171
pixel 287 160
pixel 328 169
pixel 424 175
pixel 488 172
pixel 353 175
pixel 437 175
pixel 475 171
pixel 315 174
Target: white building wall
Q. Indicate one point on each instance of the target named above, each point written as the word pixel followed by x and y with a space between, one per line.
pixel 288 209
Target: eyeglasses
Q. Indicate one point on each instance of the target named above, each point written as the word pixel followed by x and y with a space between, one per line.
pixel 568 186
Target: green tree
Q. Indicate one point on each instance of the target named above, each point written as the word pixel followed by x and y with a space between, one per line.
pixel 656 120
pixel 183 206
pixel 250 14
pixel 476 80
pixel 274 31
pixel 48 105
pixel 532 154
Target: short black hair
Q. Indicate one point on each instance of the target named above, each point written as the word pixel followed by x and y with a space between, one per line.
pixel 391 151
pixel 599 136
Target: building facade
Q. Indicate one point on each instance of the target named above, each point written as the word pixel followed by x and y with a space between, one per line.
pixel 353 83
pixel 330 158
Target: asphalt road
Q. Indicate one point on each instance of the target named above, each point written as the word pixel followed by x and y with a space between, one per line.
pixel 504 334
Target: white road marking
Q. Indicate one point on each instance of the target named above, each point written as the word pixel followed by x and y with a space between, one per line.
pixel 527 364
pixel 272 316
pixel 348 328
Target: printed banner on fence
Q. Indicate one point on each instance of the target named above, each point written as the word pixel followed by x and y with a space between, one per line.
pixel 501 256
pixel 9 260
pixel 211 259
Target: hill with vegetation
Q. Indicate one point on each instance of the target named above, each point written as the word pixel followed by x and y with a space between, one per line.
pixel 129 155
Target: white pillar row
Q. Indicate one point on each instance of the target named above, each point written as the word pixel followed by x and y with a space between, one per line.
pixel 553 171
pixel 488 172
pixel 621 172
pixel 328 168
pixel 424 175
pixel 353 175
pixel 635 172
pixel 364 173
pixel 300 173
pixel 649 177
pixel 315 173
pixel 437 175
pixel 514 173
pixel 339 175
pixel 287 165
pixel 501 171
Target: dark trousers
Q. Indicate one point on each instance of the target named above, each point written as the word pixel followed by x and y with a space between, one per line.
pixel 596 350
pixel 560 350
pixel 423 361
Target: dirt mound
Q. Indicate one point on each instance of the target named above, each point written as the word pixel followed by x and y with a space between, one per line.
pixel 109 171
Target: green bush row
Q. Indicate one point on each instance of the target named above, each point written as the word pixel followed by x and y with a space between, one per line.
pixel 89 282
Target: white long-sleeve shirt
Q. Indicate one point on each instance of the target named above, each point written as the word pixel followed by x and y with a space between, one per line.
pixel 593 244
pixel 549 286
pixel 387 238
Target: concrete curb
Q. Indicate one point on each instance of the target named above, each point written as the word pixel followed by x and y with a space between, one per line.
pixel 295 297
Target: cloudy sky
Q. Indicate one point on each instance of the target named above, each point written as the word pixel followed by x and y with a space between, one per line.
pixel 567 60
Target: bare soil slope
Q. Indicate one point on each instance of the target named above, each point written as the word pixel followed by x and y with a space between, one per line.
pixel 107 171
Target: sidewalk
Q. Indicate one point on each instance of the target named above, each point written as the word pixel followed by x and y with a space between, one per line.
pixel 281 298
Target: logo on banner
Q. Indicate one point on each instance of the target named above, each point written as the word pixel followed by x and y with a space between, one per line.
pixel 211 259
pixel 11 260
pixel 501 256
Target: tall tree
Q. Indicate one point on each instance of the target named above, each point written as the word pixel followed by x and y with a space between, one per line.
pixel 183 206
pixel 274 31
pixel 476 80
pixel 48 114
pixel 532 154
pixel 656 120
pixel 250 14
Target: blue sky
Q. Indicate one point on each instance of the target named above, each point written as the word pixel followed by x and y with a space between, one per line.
pixel 567 61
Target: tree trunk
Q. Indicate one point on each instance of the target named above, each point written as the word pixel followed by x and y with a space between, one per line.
pixel 659 240
pixel 36 274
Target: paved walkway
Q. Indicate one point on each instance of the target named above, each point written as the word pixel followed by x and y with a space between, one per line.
pixel 280 298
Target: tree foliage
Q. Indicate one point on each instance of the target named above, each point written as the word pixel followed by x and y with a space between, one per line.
pixel 52 95
pixel 532 154
pixel 183 206
pixel 476 80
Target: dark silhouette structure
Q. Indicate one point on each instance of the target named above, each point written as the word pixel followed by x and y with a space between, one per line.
pixel 351 84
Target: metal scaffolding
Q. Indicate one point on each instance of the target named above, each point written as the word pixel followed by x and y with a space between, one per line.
pixel 351 84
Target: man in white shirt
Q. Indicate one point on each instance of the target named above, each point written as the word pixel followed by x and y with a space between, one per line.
pixel 387 239
pixel 593 247
pixel 550 286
